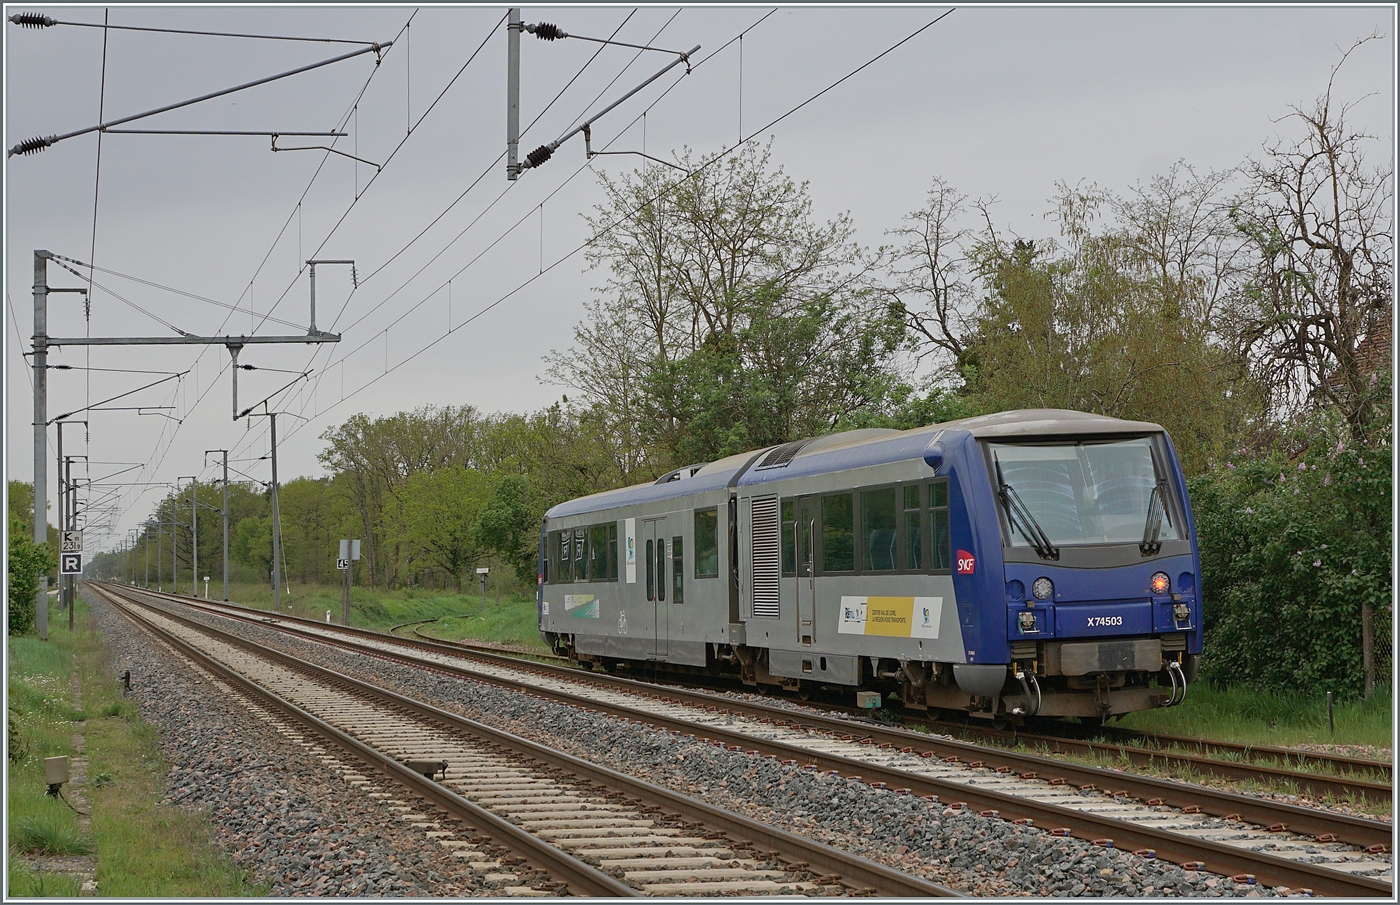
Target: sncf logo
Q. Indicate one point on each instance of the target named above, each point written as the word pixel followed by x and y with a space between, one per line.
pixel 966 563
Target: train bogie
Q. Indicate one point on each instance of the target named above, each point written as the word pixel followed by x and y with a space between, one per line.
pixel 1035 562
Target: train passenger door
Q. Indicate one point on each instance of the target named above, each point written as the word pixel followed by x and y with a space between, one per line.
pixel 655 558
pixel 804 528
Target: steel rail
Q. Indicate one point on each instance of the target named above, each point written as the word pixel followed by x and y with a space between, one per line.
pixel 883 880
pixel 1324 784
pixel 1209 745
pixel 1320 784
pixel 1220 858
pixel 1359 831
pixel 580 877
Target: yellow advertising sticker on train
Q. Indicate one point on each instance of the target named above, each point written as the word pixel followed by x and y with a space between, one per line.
pixel 893 617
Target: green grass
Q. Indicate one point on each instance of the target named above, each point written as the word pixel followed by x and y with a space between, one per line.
pixel 511 620
pixel 45 826
pixel 1283 719
pixel 143 849
pixel 42 716
pixel 25 882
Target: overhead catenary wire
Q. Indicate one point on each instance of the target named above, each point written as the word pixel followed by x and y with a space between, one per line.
pixel 135 279
pixel 85 408
pixel 464 193
pixel 158 456
pixel 618 221
pixel 473 185
pixel 96 186
pixel 34 145
pixel 34 20
pixel 500 238
pixel 511 229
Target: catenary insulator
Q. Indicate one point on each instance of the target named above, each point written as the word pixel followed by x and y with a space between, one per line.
pixel 32 146
pixel 32 20
pixel 539 156
pixel 546 32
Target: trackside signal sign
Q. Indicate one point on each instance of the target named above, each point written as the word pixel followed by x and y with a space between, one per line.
pixel 70 563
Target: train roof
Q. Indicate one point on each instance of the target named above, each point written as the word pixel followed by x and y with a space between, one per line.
pixel 850 449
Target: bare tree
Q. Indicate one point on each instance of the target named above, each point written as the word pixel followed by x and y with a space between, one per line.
pixel 929 268
pixel 1320 221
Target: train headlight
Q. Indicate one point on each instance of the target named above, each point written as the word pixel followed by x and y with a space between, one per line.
pixel 1043 589
pixel 1161 584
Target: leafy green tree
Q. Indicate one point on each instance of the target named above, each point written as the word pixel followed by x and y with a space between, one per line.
pixel 435 514
pixel 509 526
pixel 731 317
pixel 1095 324
pixel 372 457
pixel 1295 553
pixel 25 562
pixel 251 545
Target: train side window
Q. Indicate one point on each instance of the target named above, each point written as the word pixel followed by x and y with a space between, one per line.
pixel 580 554
pixel 612 551
pixel 651 573
pixel 942 558
pixel 706 543
pixel 677 570
pixel 661 568
pixel 913 530
pixel 787 519
pixel 566 556
pixel 598 553
pixel 877 529
pixel 838 533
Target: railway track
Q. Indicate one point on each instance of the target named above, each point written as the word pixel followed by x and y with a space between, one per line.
pixel 1231 834
pixel 1347 777
pixel 582 827
pixel 1342 776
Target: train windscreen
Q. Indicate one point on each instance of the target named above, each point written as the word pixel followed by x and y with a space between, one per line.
pixel 1084 492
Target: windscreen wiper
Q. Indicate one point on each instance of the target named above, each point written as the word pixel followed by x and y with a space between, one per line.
pixel 1152 531
pixel 1019 514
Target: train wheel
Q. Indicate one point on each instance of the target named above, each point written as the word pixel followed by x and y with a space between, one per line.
pixel 804 691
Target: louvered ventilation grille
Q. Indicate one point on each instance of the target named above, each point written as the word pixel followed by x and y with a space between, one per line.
pixel 781 456
pixel 765 558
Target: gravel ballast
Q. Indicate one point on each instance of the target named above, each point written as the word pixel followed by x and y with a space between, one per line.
pixel 278 811
pixel 961 849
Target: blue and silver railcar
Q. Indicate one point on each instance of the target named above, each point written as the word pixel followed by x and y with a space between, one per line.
pixel 1022 563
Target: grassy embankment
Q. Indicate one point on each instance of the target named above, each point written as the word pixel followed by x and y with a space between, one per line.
pixel 1281 719
pixel 509 619
pixel 143 850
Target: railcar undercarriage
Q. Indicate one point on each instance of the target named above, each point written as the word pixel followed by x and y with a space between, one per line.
pixel 1030 687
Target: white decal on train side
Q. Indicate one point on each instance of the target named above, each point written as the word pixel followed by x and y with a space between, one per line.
pixel 581 606
pixel 1100 621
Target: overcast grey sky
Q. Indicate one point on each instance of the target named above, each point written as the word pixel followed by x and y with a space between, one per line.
pixel 1000 101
